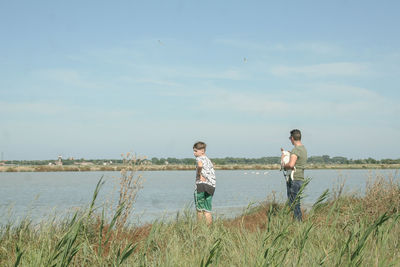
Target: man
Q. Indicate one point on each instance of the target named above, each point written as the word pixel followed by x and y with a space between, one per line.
pixel 297 162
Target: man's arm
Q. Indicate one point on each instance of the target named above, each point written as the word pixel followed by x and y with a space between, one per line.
pixel 292 162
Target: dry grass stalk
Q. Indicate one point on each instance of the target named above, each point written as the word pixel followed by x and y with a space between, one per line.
pixel 130 184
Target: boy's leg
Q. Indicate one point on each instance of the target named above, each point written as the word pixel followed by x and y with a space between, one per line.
pixel 199 200
pixel 208 208
pixel 199 215
pixel 208 216
pixel 203 206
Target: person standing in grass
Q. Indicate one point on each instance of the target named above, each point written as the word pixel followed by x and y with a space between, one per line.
pixel 297 163
pixel 205 183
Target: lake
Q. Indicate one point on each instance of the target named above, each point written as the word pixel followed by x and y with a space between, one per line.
pixel 164 193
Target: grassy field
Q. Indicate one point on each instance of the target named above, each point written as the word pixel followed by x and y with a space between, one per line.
pixel 339 230
pixel 171 167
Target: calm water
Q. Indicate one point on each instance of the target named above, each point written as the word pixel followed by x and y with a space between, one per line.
pixel 164 193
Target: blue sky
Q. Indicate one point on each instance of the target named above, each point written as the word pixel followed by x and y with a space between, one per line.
pixel 94 79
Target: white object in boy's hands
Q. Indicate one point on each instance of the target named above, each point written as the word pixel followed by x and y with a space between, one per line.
pixel 285 160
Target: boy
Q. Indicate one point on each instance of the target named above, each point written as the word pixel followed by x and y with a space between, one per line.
pixel 297 161
pixel 205 183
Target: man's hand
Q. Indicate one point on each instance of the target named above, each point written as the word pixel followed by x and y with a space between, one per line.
pixel 202 178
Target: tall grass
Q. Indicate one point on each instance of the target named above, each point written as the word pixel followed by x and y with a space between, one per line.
pixel 339 230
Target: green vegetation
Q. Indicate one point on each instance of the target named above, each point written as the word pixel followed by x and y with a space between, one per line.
pixel 339 230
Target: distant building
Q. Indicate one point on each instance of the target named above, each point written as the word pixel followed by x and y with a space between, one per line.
pixel 59 161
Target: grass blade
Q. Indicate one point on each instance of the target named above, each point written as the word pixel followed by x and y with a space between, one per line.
pixel 215 249
pixel 361 242
pixel 19 255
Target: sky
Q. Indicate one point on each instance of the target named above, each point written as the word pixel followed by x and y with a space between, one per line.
pixel 94 79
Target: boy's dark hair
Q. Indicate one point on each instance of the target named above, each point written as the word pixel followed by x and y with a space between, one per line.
pixel 200 145
pixel 296 134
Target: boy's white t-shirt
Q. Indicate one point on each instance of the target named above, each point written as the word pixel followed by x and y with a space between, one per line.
pixel 207 171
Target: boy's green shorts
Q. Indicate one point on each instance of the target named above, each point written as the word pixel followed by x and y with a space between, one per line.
pixel 202 201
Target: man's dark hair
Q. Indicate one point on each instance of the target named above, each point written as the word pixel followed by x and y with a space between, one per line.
pixel 200 145
pixel 296 134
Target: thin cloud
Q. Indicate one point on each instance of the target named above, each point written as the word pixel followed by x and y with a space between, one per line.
pixel 343 92
pixel 317 101
pixel 128 79
pixel 242 102
pixel 311 47
pixel 32 108
pixel 327 69
pixel 229 74
pixel 138 58
pixel 44 109
pixel 65 76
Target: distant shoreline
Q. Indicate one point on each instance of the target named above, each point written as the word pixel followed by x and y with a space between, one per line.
pixel 171 167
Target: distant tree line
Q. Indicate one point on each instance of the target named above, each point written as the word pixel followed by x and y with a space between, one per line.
pixel 325 159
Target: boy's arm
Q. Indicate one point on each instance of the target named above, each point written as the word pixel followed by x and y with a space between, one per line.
pixel 199 168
